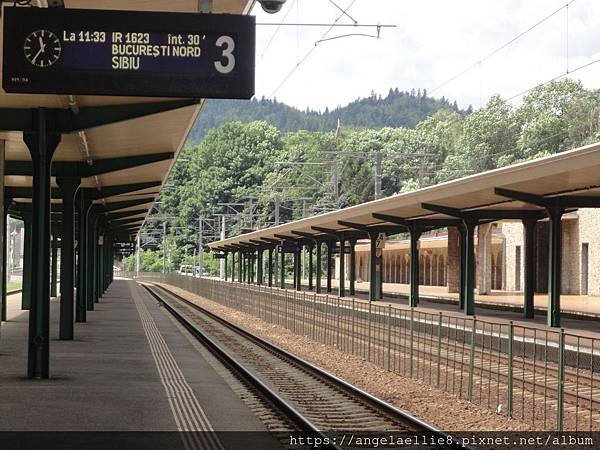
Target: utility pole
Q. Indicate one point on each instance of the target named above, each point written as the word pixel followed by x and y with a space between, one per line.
pixel 378 174
pixel 164 242
pixel 200 245
pixel 222 261
pixel 277 213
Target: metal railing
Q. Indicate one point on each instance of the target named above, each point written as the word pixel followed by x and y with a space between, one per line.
pixel 546 377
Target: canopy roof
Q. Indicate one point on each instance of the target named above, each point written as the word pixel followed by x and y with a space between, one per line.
pixel 568 180
pixel 161 133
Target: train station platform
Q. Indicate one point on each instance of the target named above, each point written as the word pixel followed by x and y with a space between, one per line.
pixel 130 368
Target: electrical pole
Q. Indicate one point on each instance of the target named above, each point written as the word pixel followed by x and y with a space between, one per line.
pixel 378 174
pixel 200 246
pixel 164 239
pixel 222 261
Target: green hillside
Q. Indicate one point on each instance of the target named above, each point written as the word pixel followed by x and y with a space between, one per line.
pixel 398 109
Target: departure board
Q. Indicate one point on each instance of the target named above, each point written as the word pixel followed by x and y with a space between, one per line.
pixel 101 52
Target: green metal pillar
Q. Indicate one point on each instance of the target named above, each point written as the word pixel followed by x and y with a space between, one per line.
pixel 374 269
pixel 90 261
pixel 318 267
pixel 7 203
pixel 282 268
pixel 469 266
pixel 415 234
pixel 270 267
pixel 41 144
pixel 54 261
pixel 330 245
pixel 352 267
pixel 99 267
pixel 84 204
pixel 68 187
pixel 311 267
pixel 240 266
pixel 462 243
pixel 529 288
pixel 259 266
pixel 27 248
pixel 233 266
pixel 226 275
pixel 296 268
pixel 342 272
pixel 299 268
pixel 555 264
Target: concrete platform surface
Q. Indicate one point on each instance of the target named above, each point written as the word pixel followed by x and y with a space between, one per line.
pixel 131 368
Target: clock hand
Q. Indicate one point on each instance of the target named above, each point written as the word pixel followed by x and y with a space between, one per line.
pixel 37 54
pixel 42 45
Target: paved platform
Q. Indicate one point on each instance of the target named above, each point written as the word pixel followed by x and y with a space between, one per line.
pixel 130 368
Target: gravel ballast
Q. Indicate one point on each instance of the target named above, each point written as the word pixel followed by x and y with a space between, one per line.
pixel 441 409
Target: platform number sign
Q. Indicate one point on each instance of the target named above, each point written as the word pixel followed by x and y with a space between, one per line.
pixel 154 54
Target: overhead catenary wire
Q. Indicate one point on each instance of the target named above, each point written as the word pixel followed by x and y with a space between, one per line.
pixel 307 55
pixel 500 48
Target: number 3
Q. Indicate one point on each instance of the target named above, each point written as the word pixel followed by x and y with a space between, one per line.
pixel 227 53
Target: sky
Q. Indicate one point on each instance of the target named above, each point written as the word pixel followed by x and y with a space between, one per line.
pixel 433 41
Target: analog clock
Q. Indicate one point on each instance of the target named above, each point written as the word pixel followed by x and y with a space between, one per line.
pixel 42 48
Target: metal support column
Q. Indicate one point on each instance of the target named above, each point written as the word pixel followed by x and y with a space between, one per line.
pixel 352 267
pixel 54 260
pixel 415 234
pixel 319 268
pixel 529 288
pixel 311 267
pixel 41 144
pixel 282 268
pixel 90 261
pixel 7 202
pixel 240 280
pixel 462 243
pixel 259 267
pixel 297 266
pixel 555 264
pixel 84 205
pixel 469 266
pixel 374 269
pixel 225 266
pixel 330 245
pixel 342 272
pixel 27 261
pixel 270 267
pixel 68 187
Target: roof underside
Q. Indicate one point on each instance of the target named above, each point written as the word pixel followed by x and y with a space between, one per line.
pixel 575 172
pixel 164 132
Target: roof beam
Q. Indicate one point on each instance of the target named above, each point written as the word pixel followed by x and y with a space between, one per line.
pixel 354 226
pixel 110 191
pixel 452 212
pixel 124 214
pixel 69 121
pixel 115 206
pixel 286 238
pixel 306 235
pixel 328 231
pixel 84 170
pixel 525 197
pixel 96 116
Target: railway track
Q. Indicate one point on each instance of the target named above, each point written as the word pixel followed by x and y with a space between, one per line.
pixel 315 401
pixel 580 389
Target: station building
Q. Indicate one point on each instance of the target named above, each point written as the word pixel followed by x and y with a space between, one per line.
pixel 499 257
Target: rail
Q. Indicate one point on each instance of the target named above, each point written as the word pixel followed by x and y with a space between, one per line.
pixel 546 377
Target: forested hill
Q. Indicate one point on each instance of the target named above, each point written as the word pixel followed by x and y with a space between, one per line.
pixel 398 109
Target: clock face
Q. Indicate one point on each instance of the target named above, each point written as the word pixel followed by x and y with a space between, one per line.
pixel 42 48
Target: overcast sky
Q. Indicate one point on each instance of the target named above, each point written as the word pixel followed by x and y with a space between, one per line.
pixel 434 40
